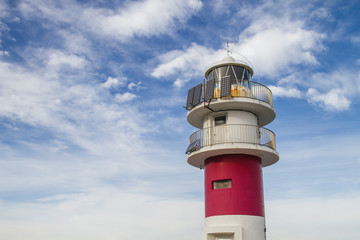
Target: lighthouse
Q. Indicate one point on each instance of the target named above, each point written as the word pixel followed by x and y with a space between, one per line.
pixel 232 146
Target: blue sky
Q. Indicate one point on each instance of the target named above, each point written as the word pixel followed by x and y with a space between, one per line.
pixel 93 131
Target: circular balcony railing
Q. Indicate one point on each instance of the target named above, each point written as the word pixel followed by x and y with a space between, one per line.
pixel 232 134
pixel 248 89
pixel 228 89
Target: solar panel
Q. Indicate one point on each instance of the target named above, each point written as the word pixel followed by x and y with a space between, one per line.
pixel 190 98
pixel 209 91
pixel 193 146
pixel 225 86
pixel 197 95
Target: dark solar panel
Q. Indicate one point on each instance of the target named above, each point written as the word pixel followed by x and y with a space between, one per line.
pixel 193 146
pixel 209 91
pixel 197 95
pixel 190 98
pixel 225 86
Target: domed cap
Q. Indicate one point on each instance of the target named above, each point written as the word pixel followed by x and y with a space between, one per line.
pixel 229 61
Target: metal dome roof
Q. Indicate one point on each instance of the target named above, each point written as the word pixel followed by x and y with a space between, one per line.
pixel 228 60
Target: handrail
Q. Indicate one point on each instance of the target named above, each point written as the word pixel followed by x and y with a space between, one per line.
pixel 248 89
pixel 242 89
pixel 234 133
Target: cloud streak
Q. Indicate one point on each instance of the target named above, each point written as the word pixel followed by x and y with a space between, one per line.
pixel 97 214
pixel 140 18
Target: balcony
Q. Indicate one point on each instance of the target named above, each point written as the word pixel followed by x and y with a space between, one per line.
pixel 245 95
pixel 247 89
pixel 233 134
pixel 232 139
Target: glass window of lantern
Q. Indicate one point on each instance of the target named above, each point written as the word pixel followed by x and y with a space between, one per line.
pixel 232 74
pixel 211 75
pixel 239 71
pixel 247 75
pixel 222 72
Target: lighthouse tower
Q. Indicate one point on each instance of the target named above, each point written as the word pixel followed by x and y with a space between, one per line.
pixel 232 146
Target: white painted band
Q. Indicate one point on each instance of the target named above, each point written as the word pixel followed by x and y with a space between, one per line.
pixel 236 227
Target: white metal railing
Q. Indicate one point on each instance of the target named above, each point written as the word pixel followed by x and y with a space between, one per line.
pixel 248 89
pixel 234 133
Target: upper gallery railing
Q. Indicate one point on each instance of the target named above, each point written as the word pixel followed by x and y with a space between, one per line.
pixel 242 89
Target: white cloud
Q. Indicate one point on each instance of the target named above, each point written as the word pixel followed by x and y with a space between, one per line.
pixel 187 64
pixel 77 43
pixel 44 99
pixel 278 91
pixel 193 59
pixel 144 18
pixel 334 100
pixel 125 97
pixel 114 82
pixel 59 58
pixel 272 43
pixel 134 18
pixel 4 53
pixel 53 61
pixel 104 213
pixel 133 85
pixel 273 50
pixel 179 82
pixel 333 90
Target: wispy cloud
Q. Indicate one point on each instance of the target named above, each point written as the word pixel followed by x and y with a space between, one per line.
pixel 145 18
pixel 285 92
pixel 333 100
pixel 125 97
pixel 114 82
pixel 185 64
pixel 273 50
pixel 273 43
pixel 139 18
pixel 98 214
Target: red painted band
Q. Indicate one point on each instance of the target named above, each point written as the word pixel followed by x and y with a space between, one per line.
pixel 245 197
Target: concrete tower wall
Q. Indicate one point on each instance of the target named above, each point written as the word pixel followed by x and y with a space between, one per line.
pixel 233 185
pixel 232 117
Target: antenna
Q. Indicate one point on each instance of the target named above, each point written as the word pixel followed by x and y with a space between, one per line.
pixel 231 46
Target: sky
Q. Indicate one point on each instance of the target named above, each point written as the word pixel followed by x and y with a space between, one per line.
pixel 93 130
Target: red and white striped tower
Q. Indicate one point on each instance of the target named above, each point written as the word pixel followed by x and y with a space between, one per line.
pixel 232 146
